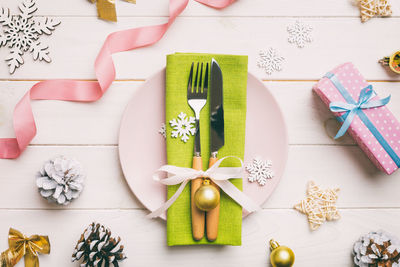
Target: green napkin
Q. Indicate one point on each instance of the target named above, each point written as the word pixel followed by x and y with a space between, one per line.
pixel 234 71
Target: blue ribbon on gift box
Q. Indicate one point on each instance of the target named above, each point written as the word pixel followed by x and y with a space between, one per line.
pixel 353 108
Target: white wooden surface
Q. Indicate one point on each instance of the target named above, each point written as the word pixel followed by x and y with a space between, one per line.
pixel 369 200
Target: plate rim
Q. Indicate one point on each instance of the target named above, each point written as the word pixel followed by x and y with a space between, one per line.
pixel 163 70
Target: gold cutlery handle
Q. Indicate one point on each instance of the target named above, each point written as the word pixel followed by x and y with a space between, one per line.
pixel 212 216
pixel 198 216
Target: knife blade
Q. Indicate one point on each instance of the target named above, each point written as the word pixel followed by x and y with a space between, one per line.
pixel 217 138
pixel 217 134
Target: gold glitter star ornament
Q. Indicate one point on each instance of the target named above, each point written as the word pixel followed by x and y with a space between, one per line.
pixel 319 205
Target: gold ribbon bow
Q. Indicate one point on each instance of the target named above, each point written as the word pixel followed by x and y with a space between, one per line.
pixel 20 246
pixel 106 8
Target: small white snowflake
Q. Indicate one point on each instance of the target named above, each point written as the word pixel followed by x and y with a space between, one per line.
pixel 183 127
pixel 299 33
pixel 163 130
pixel 21 32
pixel 270 60
pixel 260 171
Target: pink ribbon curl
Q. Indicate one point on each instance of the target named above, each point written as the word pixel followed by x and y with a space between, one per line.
pixel 88 91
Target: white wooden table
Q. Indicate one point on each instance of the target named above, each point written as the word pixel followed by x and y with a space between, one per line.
pixel 369 200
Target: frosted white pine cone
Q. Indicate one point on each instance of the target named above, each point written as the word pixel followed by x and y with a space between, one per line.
pixel 97 248
pixel 377 249
pixel 60 180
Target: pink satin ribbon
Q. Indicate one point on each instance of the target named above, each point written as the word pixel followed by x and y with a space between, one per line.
pixel 86 91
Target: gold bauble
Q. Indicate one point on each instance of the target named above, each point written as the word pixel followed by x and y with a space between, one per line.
pixel 206 197
pixel 393 62
pixel 281 256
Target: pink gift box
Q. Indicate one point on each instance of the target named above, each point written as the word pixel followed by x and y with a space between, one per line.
pixel 381 145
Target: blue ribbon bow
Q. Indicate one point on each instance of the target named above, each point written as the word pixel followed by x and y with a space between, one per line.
pixel 352 109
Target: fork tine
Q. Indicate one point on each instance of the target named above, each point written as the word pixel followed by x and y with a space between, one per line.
pixel 189 89
pixel 206 81
pixel 201 78
pixel 196 78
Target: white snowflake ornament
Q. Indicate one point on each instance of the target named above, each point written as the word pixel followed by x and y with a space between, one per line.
pixel 183 127
pixel 260 171
pixel 21 32
pixel 299 33
pixel 270 61
pixel 163 130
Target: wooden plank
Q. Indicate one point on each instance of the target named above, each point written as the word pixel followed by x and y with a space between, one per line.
pixel 84 123
pixel 145 240
pixel 308 120
pixel 105 186
pixel 240 8
pixel 89 132
pixel 334 44
pixel 346 167
pixel 362 185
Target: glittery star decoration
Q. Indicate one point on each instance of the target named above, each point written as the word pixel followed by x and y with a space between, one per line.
pixel 319 205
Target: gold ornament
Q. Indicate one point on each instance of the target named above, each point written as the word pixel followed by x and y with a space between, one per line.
pixel 319 205
pixel 372 8
pixel 106 9
pixel 206 197
pixel 22 246
pixel 393 62
pixel 281 256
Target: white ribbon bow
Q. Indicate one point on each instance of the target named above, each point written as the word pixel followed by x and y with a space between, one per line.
pixel 219 175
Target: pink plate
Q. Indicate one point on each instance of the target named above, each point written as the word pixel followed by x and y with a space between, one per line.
pixel 142 148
